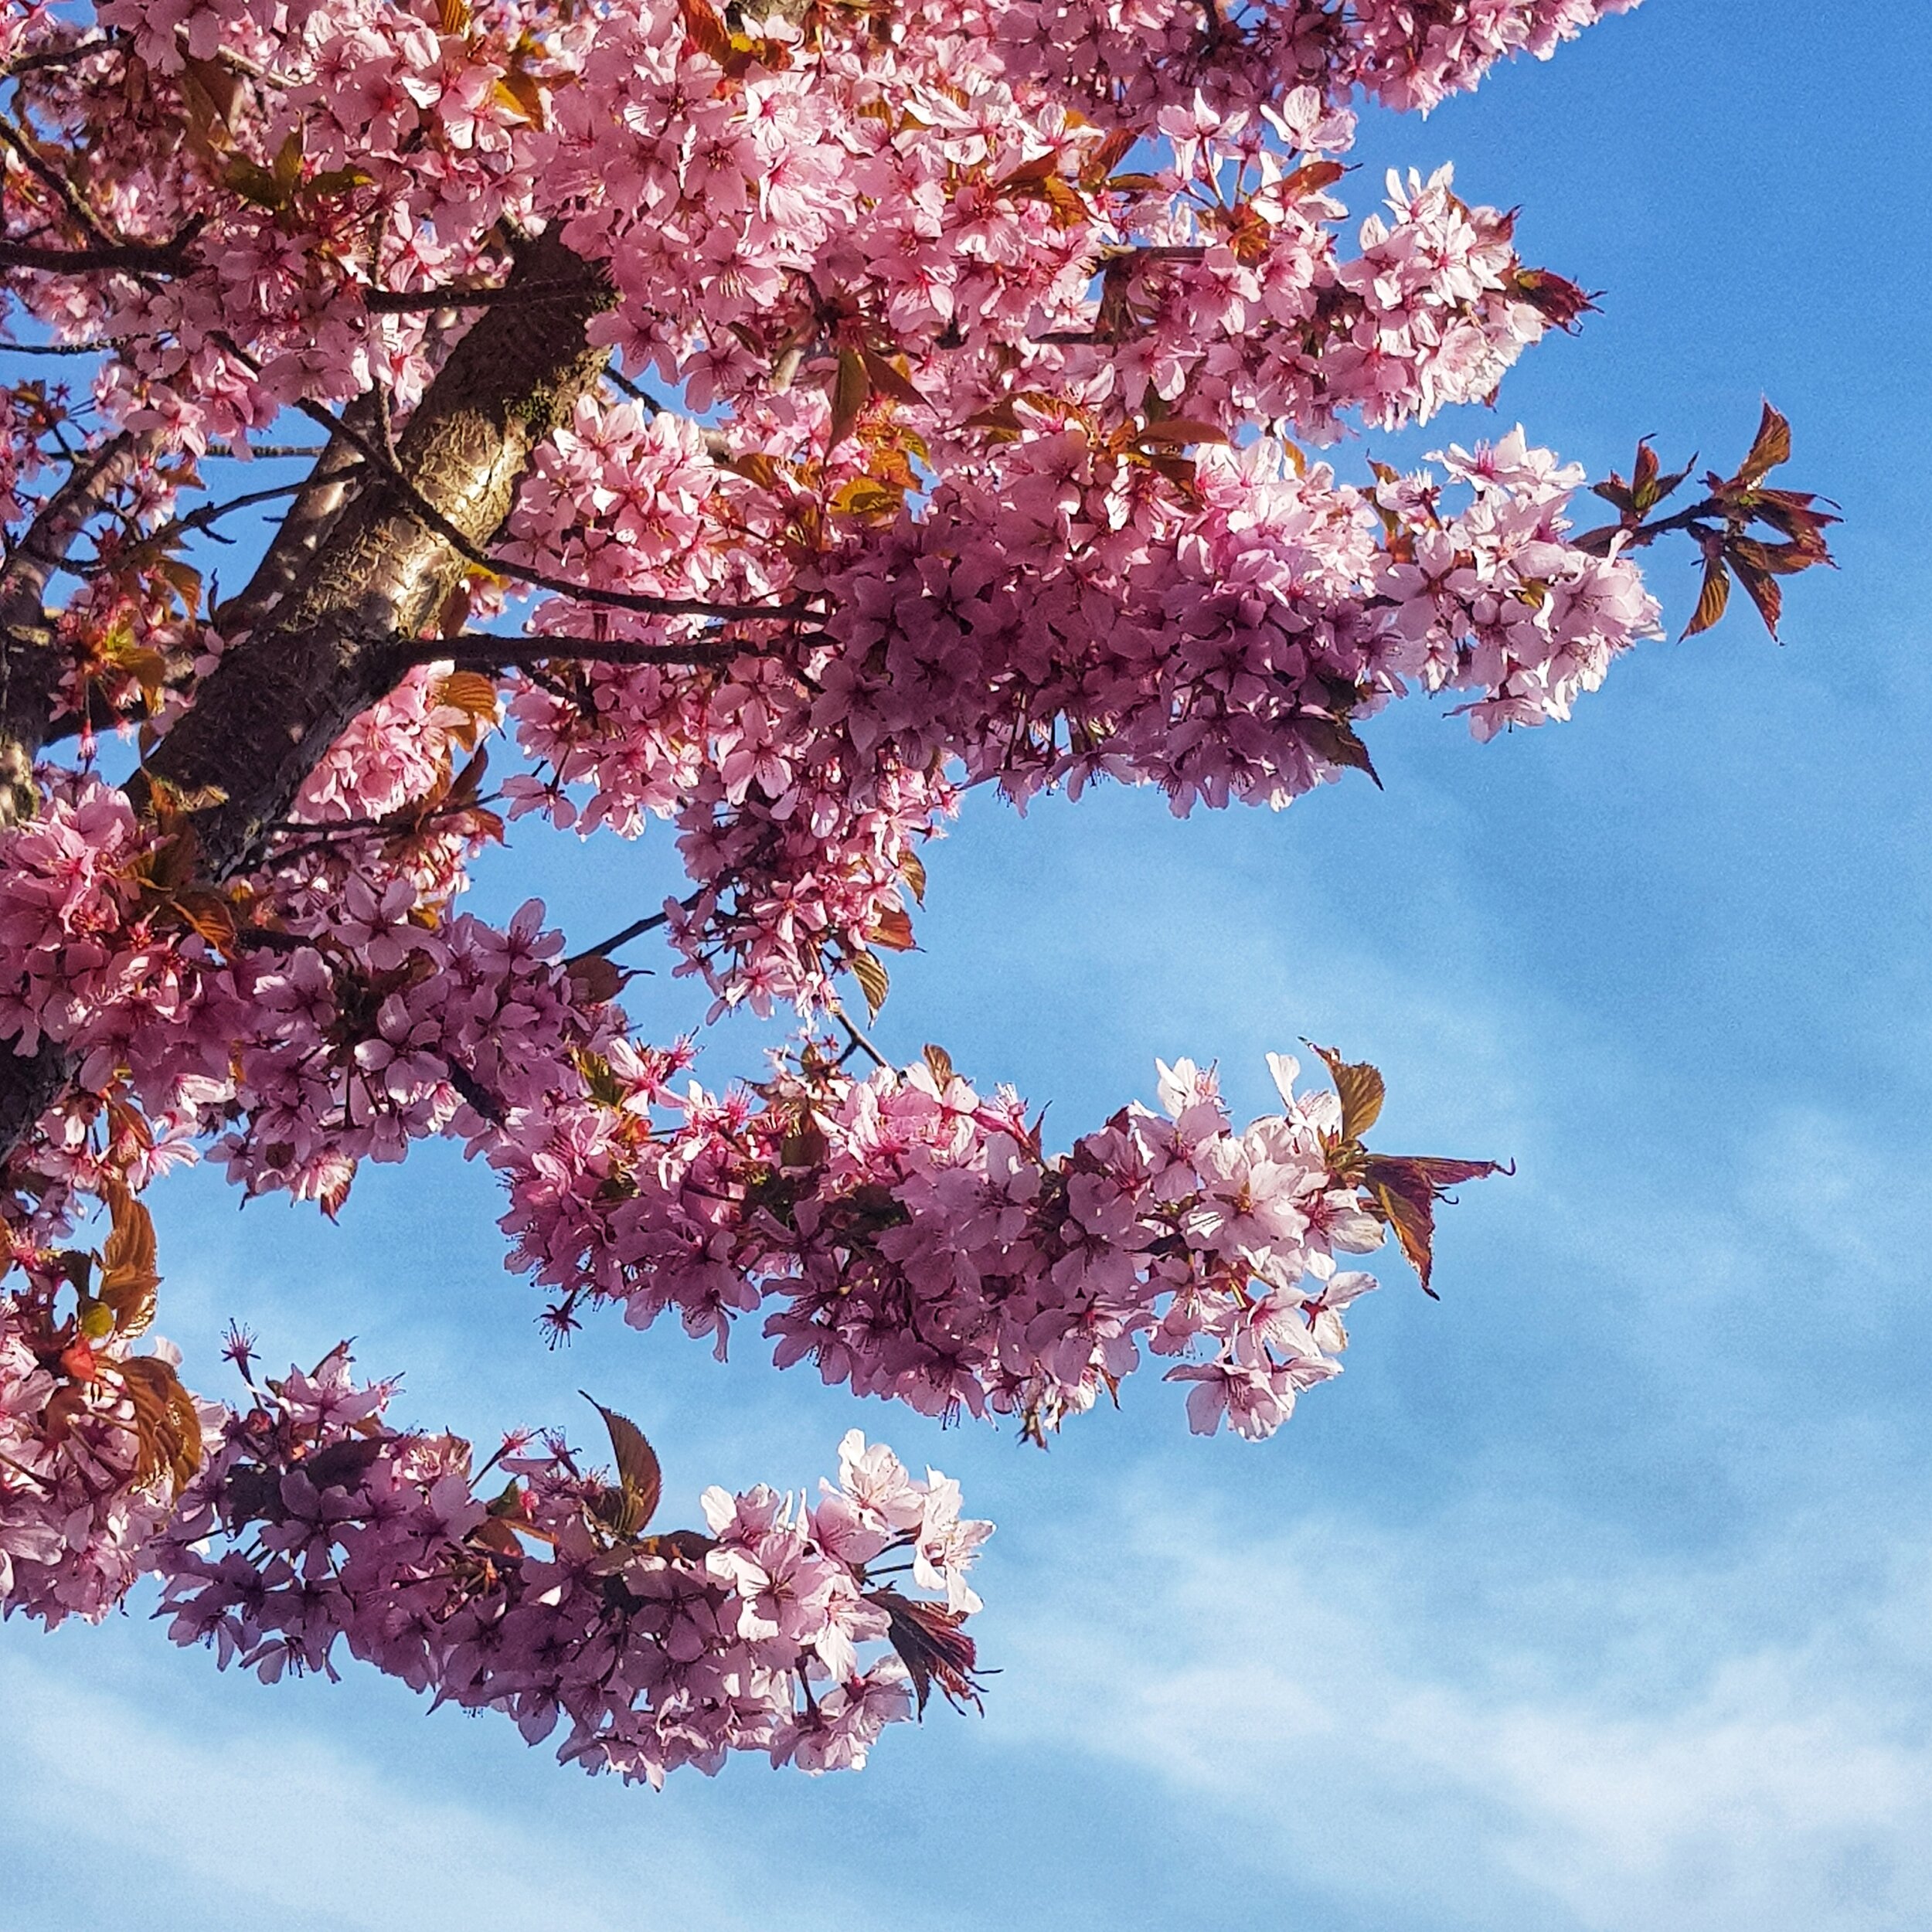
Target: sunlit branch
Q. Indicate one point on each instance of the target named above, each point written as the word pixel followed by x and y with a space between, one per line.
pixel 420 507
pixel 479 651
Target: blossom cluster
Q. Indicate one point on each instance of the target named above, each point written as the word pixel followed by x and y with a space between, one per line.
pixel 959 359
pixel 78 1511
pixel 926 193
pixel 967 363
pixel 1063 615
pixel 333 1015
pixel 316 1524
pixel 911 1238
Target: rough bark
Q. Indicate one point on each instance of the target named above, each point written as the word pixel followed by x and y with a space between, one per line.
pixel 366 573
pixel 276 702
pixel 315 512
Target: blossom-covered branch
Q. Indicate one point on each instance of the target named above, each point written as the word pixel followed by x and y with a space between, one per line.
pixel 1000 346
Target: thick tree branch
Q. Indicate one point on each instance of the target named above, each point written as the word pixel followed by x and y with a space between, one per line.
pixel 275 703
pixel 169 257
pixel 47 57
pixel 416 302
pixel 302 532
pixel 385 566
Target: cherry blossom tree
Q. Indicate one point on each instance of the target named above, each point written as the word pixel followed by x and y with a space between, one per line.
pixel 776 423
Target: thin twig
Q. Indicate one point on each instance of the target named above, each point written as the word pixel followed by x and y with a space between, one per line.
pixel 635 929
pixel 143 259
pixel 210 513
pixel 62 56
pixel 420 507
pixel 632 390
pixel 49 176
pixel 57 348
pixel 859 1039
pixel 266 453
pixel 479 651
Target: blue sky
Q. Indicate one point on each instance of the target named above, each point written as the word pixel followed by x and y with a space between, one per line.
pixel 1596 1598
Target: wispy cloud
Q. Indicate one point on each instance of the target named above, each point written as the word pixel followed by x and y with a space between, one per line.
pixel 1603 1751
pixel 234 1817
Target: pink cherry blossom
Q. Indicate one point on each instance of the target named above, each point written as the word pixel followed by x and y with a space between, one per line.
pixel 761 431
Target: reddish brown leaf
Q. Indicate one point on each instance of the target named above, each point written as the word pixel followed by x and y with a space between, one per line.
pixel 1029 174
pixel 1402 1190
pixel 207 912
pixel 65 1407
pixel 806 1146
pixel 755 466
pixel 1644 476
pixel 1334 739
pixel 687 1546
pixel 1558 299
pixel 933 1646
pixel 78 1363
pixel 213 97
pixel 705 31
pixel 893 929
pixel 128 1278
pixel 1360 1088
pixel 640 1481
pixel 1764 590
pixel 593 979
pixel 874 982
pixel 939 1062
pixel 850 388
pixel 466 787
pixel 344 1465
pixel 469 691
pixel 1101 162
pixel 1179 431
pixel 1771 446
pixel 886 380
pixel 1002 416
pixel 1310 178
pixel 1712 599
pixel 167 1428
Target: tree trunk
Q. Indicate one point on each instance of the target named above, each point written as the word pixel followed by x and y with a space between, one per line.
pixel 367 572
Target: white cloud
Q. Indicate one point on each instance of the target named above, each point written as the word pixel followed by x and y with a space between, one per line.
pixel 1596 1752
pixel 240 1815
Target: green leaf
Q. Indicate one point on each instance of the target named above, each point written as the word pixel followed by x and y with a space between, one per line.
pixel 287 168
